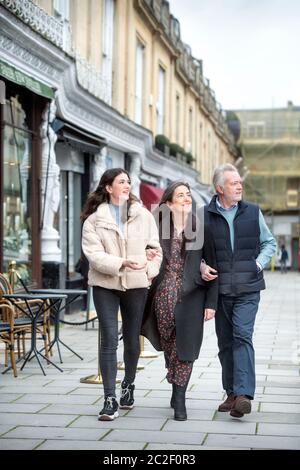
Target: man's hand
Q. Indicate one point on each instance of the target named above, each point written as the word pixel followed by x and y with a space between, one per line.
pixel 208 273
pixel 151 253
pixel 133 264
pixel 209 313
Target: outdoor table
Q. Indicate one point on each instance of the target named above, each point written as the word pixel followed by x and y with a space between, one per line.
pixel 72 295
pixel 33 314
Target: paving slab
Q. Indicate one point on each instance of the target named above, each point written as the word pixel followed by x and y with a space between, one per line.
pixel 36 419
pixel 19 444
pixel 88 445
pixel 155 436
pixel 24 432
pixel 56 411
pixel 279 429
pixel 253 442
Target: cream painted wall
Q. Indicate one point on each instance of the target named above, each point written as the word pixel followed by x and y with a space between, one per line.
pixel 94 32
pixel 178 89
pixel 155 55
pixel 120 56
pixel 130 42
pixel 45 5
pixel 144 35
pixel 189 137
pixel 161 58
pixel 86 25
pixel 86 22
pixel 79 23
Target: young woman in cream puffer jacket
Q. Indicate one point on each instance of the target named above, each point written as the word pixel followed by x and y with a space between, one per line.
pixel 106 248
pixel 116 233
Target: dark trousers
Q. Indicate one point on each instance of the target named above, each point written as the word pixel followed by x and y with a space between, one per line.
pixel 107 303
pixel 283 266
pixel 235 319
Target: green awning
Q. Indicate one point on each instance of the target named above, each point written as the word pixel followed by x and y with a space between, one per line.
pixel 15 75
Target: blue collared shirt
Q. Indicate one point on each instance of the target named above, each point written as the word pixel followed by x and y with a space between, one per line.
pixel 116 213
pixel 267 241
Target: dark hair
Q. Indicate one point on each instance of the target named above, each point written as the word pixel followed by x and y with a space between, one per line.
pixel 168 194
pixel 163 213
pixel 100 195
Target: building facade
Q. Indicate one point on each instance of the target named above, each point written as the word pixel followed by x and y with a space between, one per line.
pixel 270 145
pixel 85 86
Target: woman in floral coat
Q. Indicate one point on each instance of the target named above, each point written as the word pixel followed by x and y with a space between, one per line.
pixel 179 300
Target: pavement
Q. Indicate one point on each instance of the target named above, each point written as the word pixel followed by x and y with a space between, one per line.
pixel 56 411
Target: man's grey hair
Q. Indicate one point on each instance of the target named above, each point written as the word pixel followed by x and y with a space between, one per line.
pixel 218 177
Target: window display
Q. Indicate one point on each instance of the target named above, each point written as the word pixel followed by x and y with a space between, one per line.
pixel 17 163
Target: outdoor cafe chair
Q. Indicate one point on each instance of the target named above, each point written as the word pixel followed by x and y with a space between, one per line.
pixel 22 322
pixel 7 334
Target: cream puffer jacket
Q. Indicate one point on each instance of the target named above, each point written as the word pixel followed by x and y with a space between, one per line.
pixel 106 247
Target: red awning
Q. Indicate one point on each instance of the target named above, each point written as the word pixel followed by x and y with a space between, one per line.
pixel 150 194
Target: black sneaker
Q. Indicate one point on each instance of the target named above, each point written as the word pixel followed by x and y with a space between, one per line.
pixel 127 398
pixel 110 410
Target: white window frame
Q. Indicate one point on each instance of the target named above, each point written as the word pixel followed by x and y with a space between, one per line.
pixel 107 42
pixel 160 105
pixel 139 82
pixel 257 128
pixel 177 117
pixel 190 143
pixel 61 9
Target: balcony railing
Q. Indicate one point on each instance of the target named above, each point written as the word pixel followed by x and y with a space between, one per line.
pixel 38 19
pixel 92 80
pixel 59 33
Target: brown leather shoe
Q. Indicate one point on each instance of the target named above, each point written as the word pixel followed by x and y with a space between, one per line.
pixel 236 414
pixel 227 404
pixel 241 406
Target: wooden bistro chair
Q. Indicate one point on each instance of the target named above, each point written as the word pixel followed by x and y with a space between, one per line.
pixel 22 323
pixel 7 334
pixel 16 282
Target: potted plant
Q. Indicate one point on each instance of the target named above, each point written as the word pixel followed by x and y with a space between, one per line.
pixel 189 158
pixel 162 143
pixel 176 150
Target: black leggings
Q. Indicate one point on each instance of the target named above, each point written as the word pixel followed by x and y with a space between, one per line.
pixel 107 303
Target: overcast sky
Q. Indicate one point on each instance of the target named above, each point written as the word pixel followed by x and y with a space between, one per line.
pixel 250 48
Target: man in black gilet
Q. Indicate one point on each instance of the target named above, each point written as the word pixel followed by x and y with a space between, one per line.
pixel 244 247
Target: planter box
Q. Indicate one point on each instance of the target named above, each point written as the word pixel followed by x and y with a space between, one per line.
pixel 180 157
pixel 163 148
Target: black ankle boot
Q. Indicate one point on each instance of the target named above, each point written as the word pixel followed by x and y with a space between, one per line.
pixel 179 403
pixel 172 397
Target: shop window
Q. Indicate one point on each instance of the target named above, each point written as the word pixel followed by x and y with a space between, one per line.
pixel 17 188
pixel 69 215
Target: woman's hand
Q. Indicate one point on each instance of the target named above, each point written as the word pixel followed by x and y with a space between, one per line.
pixel 133 264
pixel 151 253
pixel 207 273
pixel 209 313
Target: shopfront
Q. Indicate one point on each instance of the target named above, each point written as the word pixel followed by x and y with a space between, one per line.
pixel 77 154
pixel 20 149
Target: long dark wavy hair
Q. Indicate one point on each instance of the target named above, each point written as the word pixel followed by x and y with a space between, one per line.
pixel 164 212
pixel 100 195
